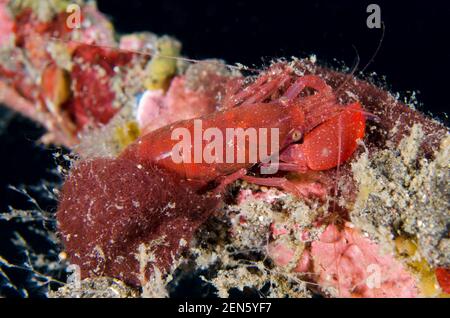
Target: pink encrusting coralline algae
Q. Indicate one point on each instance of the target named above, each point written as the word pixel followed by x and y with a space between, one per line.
pixel 6 25
pixel 350 265
pixel 158 108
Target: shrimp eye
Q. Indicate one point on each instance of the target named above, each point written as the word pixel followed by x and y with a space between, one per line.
pixel 296 135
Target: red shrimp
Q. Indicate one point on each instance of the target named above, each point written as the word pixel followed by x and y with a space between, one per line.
pixel 329 131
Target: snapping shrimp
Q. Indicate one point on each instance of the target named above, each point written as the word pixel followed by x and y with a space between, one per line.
pixel 314 131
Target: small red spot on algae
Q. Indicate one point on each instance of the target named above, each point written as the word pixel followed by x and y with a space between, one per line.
pixel 443 277
pixel 110 207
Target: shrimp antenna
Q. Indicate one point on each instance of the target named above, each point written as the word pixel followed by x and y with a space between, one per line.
pixel 238 67
pixel 356 64
pixel 380 42
pixel 352 72
pixel 347 77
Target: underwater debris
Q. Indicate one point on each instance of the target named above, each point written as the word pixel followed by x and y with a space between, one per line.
pixel 232 264
pixel 401 194
pixel 35 266
pixel 403 203
pixel 102 287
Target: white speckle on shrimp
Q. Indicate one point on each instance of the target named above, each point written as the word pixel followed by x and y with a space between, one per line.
pixel 326 152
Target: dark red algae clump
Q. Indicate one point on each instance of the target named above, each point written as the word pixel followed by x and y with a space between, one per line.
pixel 118 219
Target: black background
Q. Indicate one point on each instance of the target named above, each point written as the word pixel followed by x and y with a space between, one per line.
pixel 414 56
pixel 415 53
